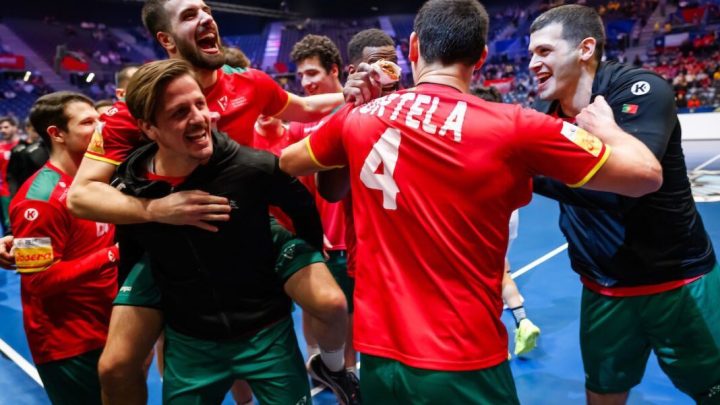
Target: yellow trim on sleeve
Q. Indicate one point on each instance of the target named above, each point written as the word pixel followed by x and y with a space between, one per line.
pixel 31 270
pixel 102 159
pixel 287 103
pixel 594 170
pixel 314 159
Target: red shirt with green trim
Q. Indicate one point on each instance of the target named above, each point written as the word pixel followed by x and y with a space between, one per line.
pixel 238 95
pixel 435 175
pixel 68 269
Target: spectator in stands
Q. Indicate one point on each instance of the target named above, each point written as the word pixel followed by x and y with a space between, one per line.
pixel 8 140
pixel 26 158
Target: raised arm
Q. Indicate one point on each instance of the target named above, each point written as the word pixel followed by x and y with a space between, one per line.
pixel 91 197
pixel 310 108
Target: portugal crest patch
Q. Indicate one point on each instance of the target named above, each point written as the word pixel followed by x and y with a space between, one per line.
pixel 582 138
pixel 96 142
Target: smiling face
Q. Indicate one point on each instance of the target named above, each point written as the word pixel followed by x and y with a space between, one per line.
pixel 315 79
pixel 194 34
pixel 555 62
pixel 182 126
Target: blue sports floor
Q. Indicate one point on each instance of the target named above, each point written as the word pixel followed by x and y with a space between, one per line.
pixel 552 374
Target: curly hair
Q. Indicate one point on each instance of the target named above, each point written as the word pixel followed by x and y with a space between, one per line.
pixel 320 46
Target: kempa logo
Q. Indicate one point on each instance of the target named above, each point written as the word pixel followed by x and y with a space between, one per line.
pixel 640 88
pixel 31 214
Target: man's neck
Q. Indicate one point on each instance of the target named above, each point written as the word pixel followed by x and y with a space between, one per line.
pixel 206 77
pixel 457 76
pixel 580 95
pixel 64 161
pixel 172 166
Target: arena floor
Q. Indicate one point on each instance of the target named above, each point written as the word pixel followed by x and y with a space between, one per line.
pixel 552 374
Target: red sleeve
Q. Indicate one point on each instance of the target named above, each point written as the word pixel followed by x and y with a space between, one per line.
pixel 270 95
pixel 325 143
pixel 115 137
pixel 296 132
pixel 41 234
pixel 551 147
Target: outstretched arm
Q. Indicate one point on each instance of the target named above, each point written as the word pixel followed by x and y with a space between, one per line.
pixel 91 197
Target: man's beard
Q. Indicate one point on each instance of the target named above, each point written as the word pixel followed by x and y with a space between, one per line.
pixel 198 59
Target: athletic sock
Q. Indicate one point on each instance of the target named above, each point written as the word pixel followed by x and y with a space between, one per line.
pixel 334 360
pixel 519 314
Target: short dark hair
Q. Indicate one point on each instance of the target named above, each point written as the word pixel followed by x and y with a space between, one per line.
pixel 452 31
pixel 106 102
pixel 49 110
pixel 320 46
pixel 487 93
pixel 146 87
pixel 9 119
pixel 235 57
pixel 154 16
pixel 370 38
pixel 578 22
pixel 122 77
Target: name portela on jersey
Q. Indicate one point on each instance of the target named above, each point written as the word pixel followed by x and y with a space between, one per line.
pixel 419 110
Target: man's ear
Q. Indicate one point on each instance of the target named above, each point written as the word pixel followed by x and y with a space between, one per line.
pixel 414 48
pixel 587 49
pixel 166 41
pixel 148 129
pixel 334 70
pixel 56 135
pixel 481 61
pixel 350 68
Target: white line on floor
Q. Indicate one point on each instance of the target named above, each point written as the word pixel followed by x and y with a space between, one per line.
pixel 21 362
pixel 707 163
pixel 538 261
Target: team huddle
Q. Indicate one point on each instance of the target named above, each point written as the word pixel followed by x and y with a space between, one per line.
pixel 192 214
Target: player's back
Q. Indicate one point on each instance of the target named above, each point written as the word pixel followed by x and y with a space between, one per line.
pixel 435 175
pixel 433 190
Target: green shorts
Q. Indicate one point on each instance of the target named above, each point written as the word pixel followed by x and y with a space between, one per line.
pixel 139 288
pixel 337 263
pixel 386 381
pixel 202 371
pixel 681 326
pixel 72 381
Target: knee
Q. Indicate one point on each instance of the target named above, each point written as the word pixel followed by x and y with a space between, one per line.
pixel 114 368
pixel 333 304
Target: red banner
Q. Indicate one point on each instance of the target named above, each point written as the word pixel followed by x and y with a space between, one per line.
pixel 9 61
pixel 74 64
pixel 503 85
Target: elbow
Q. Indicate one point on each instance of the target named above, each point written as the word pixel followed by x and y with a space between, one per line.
pixel 287 165
pixel 650 181
pixel 72 202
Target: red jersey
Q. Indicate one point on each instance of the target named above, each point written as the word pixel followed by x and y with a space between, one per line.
pixel 69 275
pixel 275 145
pixel 5 149
pixel 435 175
pixel 238 95
pixel 331 214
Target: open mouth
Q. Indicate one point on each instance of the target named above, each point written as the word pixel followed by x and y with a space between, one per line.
pixel 208 43
pixel 197 138
pixel 543 77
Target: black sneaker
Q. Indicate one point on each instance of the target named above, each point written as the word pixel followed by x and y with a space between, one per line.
pixel 344 384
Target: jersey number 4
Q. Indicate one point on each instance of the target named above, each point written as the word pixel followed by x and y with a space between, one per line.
pixel 384 151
